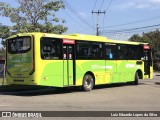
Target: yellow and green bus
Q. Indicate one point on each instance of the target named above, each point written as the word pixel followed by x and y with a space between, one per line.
pixel 75 60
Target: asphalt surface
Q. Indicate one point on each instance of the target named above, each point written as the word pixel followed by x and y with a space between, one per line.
pixel 119 97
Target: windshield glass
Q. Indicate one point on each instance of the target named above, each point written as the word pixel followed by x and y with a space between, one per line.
pixel 19 45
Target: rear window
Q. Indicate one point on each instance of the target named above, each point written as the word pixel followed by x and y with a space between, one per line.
pixel 19 45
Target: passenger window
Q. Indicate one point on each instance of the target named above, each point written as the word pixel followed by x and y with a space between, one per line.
pixel 110 51
pixel 51 48
pixel 134 52
pixel 84 50
pixel 97 50
pixel 89 50
pixel 122 52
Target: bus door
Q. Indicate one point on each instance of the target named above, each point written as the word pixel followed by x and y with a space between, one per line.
pixel 68 62
pixel 147 60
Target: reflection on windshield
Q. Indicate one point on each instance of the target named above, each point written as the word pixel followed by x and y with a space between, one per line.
pixel 19 45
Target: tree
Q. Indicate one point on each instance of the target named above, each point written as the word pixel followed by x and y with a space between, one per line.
pixel 4 33
pixel 34 16
pixel 153 38
pixel 135 38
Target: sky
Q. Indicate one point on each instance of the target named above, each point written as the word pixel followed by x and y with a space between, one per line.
pixel 121 20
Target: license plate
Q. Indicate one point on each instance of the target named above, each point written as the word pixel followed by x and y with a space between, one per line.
pixel 19 75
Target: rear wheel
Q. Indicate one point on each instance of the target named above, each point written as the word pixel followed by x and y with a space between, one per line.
pixel 88 82
pixel 136 79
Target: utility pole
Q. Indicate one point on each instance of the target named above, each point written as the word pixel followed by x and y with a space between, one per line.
pixel 97 26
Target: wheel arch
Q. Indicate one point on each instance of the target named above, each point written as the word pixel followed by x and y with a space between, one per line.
pixel 91 73
pixel 140 74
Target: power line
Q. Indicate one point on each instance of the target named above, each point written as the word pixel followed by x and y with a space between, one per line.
pixel 102 4
pixel 75 21
pixel 134 22
pixel 128 33
pixel 129 30
pixel 95 4
pixel 76 13
pixel 106 10
pixel 98 13
pixel 109 5
pixel 103 21
pixel 133 32
pixel 92 14
pixel 93 23
pixel 121 30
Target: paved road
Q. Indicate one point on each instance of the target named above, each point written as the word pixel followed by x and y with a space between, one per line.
pixel 144 97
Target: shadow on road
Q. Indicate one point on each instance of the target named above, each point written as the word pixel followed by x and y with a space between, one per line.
pixel 157 75
pixel 31 90
pixel 41 90
pixel 20 90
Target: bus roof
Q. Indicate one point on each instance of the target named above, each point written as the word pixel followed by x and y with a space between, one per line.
pixel 78 37
pixel 98 38
pixel 36 33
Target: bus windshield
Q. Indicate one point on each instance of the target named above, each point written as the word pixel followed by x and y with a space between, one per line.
pixel 19 45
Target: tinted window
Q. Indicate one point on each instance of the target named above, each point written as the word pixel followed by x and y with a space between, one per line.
pixel 129 52
pixel 19 45
pixel 110 51
pixel 97 50
pixel 51 48
pixel 134 52
pixel 122 52
pixel 89 50
pixel 84 50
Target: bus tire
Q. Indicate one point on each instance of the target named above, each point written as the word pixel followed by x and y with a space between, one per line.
pixel 88 82
pixel 136 79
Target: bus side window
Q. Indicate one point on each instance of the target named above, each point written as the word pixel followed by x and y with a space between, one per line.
pixel 122 52
pixel 53 51
pixel 110 51
pixel 42 52
pixel 132 50
pixel 97 50
pixel 109 54
pixel 45 51
pixel 83 50
pixel 51 48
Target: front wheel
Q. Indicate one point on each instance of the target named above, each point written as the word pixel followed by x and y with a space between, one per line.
pixel 88 82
